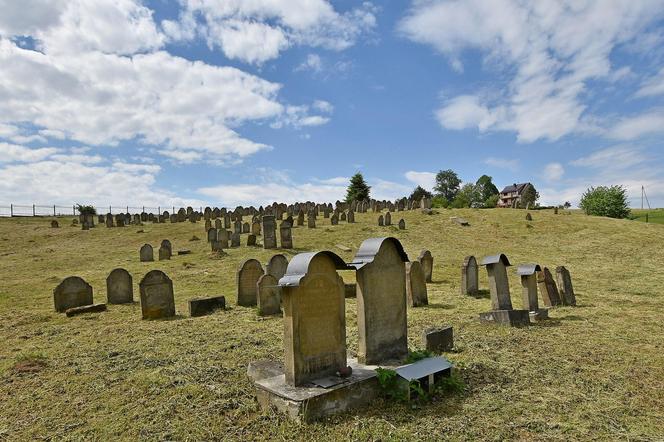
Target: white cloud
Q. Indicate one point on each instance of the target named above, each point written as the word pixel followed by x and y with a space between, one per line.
pixel 653 85
pixel 611 158
pixel 313 63
pixel 323 106
pixel 259 30
pixel 548 50
pixel 646 123
pixel 425 179
pixel 553 171
pixel 502 163
pixel 339 181
pixel 14 153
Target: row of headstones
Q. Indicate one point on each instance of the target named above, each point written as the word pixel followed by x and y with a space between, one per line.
pixel 532 277
pixel 146 253
pixel 387 221
pixel 219 238
pixel 74 295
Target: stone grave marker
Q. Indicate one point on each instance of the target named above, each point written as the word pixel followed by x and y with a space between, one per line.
pixel 564 279
pixel 208 225
pixel 119 287
pixel 277 266
pixel 269 295
pixel 212 234
pixel 381 300
pixel 334 219
pixel 426 260
pixel 247 277
pixel 286 236
pixel 237 225
pixel 73 291
pixel 251 240
pixel 548 288
pixel 314 317
pixel 469 276
pixel 381 221
pixel 311 221
pixel 157 298
pixel 416 287
pixel 146 254
pixel 388 219
pixel 218 224
pixel 501 302
pixel 54 224
pixel 245 228
pixel 235 240
pixel 223 237
pixel 342 216
pixel 256 228
pixel 528 274
pixel 402 224
pixel 164 253
pixel 204 306
pixel 351 216
pixel 529 217
pixel 269 232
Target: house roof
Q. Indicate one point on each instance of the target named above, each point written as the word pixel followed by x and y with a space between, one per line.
pixel 515 188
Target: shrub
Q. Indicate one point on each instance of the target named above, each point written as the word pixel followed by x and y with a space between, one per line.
pixel 86 210
pixel 605 201
pixel 492 201
pixel 439 202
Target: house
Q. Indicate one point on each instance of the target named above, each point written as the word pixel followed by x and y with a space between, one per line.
pixel 510 196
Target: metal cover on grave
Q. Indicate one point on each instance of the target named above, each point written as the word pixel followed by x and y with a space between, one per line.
pixel 328 381
pixel 423 368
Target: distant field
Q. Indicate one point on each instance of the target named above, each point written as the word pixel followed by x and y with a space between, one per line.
pixel 592 372
pixel 654 216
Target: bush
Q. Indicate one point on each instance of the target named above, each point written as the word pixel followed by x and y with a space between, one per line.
pixel 439 202
pixel 86 210
pixel 492 201
pixel 605 201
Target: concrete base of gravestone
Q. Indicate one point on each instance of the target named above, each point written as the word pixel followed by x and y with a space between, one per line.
pixel 204 306
pixel 513 318
pixel 539 315
pixel 350 290
pixel 92 308
pixel 312 402
pixel 438 340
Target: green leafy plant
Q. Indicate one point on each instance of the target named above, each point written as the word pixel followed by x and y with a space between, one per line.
pixel 389 385
pixel 86 210
pixel 418 355
pixel 606 201
pixel 358 189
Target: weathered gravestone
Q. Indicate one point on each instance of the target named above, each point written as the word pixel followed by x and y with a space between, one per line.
pixel 314 317
pixel 388 219
pixel 72 292
pixel 167 244
pixel 247 277
pixel 223 237
pixel 269 232
pixel 426 260
pixel 469 276
pixel 277 266
pixel 334 219
pixel 528 274
pixel 402 224
pixel 342 216
pixel 251 240
pixel 218 224
pixel 529 217
pixel 268 295
pixel 567 295
pixel 256 228
pixel 211 234
pixel 300 218
pixel 235 239
pixel 548 288
pixel 146 254
pixel 216 246
pixel 416 287
pixel 164 253
pixel 351 216
pixel 203 306
pixel 311 220
pixel 381 300
pixel 157 298
pixel 237 227
pixel 109 220
pixel 381 220
pixel 286 235
pixel 208 225
pixel 438 340
pixel 119 287
pixel 501 302
pixel 245 228
pixel 54 224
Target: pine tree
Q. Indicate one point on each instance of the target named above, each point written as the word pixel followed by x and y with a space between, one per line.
pixel 358 190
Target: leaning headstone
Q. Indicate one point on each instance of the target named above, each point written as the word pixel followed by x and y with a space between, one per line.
pixel 416 287
pixel 286 236
pixel 164 253
pixel 528 274
pixel 469 276
pixel 269 232
pixel 277 266
pixel 460 221
pixel 567 295
pixel 247 277
pixel 146 254
pixel 92 308
pixel 269 295
pixel 119 287
pixel 314 317
pixel 204 306
pixel 548 288
pixel 157 298
pixel 426 259
pixel 72 292
pixel 381 300
pixel 402 224
pixel 501 302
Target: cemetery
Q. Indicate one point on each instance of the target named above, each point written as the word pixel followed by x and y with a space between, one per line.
pixel 273 328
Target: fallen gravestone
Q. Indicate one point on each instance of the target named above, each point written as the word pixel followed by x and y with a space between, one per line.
pixel 343 248
pixel 72 292
pixel 119 287
pixel 204 306
pixel 157 298
pixel 92 308
pixel 388 219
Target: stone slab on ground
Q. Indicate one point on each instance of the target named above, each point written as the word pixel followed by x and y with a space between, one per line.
pixel 204 306
pixel 92 308
pixel 513 318
pixel 184 252
pixel 438 340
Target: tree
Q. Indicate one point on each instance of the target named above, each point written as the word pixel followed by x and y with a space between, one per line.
pixel 358 190
pixel 420 193
pixel 529 196
pixel 86 210
pixel 492 201
pixel 486 188
pixel 605 201
pixel 468 196
pixel 447 184
pixel 567 205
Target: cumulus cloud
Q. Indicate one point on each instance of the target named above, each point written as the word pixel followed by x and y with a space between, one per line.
pixel 425 179
pixel 553 171
pixel 633 127
pixel 503 163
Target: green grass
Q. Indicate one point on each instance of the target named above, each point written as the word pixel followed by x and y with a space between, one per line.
pixel 593 372
pixel 654 216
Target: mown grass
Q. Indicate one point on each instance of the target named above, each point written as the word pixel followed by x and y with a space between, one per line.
pixel 652 216
pixel 594 372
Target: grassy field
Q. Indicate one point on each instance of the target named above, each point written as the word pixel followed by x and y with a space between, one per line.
pixel 592 372
pixel 654 216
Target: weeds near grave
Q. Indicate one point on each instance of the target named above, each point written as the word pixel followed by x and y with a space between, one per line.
pixel 417 355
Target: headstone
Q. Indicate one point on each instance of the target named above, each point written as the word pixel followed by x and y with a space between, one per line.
pixel 119 287
pixel 251 240
pixel 72 292
pixel 381 300
pixel 245 228
pixel 529 217
pixel 388 219
pixel 223 238
pixel 342 216
pixel 438 340
pixel 314 317
pixel 208 225
pixel 269 232
pixel 235 240
pixel 211 234
pixel 54 224
pixel 218 224
pixel 567 295
pixel 528 274
pixel 548 288
pixel 167 244
pixel 204 306
pixel 501 302
pixel 351 217
pixel 164 253
pixel 237 226
pixel 402 224
pixel 256 228
pixel 334 219
pixel 426 260
pixel 157 299
pixel 381 221
pixel 300 218
pixel 146 254
pixel 92 308
pixel 109 220
pixel 311 221
pixel 416 287
pixel 277 266
pixel 269 295
pixel 216 246
pixel 286 236
pixel 247 277
pixel 469 276
pixel 555 211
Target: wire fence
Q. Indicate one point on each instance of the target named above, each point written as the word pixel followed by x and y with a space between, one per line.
pixel 55 210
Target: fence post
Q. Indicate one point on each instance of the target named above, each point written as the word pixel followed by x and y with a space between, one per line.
pixel 646 217
pixel 158 210
pixel 173 209
pixel 127 209
pixel 11 210
pixel 33 210
pixel 53 209
pixel 73 210
pixel 110 210
pixel 143 208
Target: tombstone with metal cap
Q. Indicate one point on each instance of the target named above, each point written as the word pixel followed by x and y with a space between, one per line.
pixel 499 287
pixel 528 274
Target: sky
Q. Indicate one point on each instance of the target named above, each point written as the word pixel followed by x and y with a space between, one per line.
pixel 240 102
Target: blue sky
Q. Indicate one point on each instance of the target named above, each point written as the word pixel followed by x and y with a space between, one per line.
pixel 227 102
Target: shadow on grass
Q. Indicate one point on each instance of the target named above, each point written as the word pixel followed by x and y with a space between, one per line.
pixel 442 306
pixel 572 318
pixel 481 294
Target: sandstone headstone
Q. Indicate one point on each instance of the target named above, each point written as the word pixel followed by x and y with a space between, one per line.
pixel 146 254
pixel 351 217
pixel 426 260
pixel 499 285
pixel 300 218
pixel 567 295
pixel 402 224
pixel 528 274
pixel 204 306
pixel 164 253
pixel 92 308
pixel 286 236
pixel 72 292
pixel 216 246
pixel 469 276
pixel 208 225
pixel 342 216
pixel 247 277
pixel 277 266
pixel 223 237
pixel 334 219
pixel 251 240
pixel 416 287
pixel 548 288
pixel 167 244
pixel 381 220
pixel 269 232
pixel 269 295
pixel 119 287
pixel 235 239
pixel 245 228
pixel 256 228
pixel 157 298
pixel 211 234
pixel 381 300
pixel 311 221
pixel 438 340
pixel 218 224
